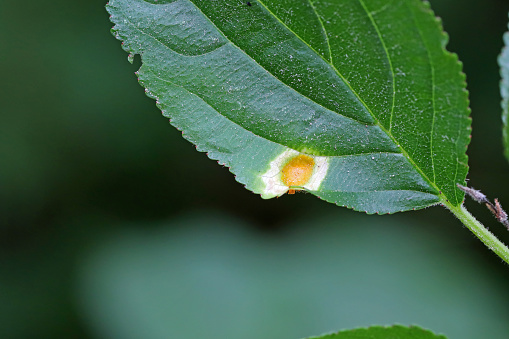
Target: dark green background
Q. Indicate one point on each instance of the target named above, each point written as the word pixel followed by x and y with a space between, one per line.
pixel 89 165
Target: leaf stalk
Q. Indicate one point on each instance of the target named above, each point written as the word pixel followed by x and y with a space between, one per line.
pixel 481 232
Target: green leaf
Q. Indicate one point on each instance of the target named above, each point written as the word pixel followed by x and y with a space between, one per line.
pixel 377 332
pixel 503 61
pixel 362 92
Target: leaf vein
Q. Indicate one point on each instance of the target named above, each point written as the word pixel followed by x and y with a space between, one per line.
pixel 324 31
pixel 433 99
pixel 155 75
pixel 252 59
pixel 393 79
pixel 331 65
pixel 403 151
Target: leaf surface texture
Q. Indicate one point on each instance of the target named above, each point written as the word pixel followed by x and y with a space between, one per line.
pixel 365 87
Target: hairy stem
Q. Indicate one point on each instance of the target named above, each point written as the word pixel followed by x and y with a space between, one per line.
pixel 480 231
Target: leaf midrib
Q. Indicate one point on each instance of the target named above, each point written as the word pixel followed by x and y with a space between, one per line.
pixel 211 106
pixel 377 121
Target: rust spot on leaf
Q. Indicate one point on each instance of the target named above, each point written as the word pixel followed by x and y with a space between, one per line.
pixel 297 171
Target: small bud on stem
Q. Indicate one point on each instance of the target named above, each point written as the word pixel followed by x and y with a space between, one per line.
pixel 496 209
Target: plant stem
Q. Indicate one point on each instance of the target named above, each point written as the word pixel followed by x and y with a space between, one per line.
pixel 480 231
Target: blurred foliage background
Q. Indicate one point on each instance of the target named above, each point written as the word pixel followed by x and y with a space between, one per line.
pixel 113 226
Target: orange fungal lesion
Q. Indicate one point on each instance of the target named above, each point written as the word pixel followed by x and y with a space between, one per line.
pixel 292 171
pixel 297 171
